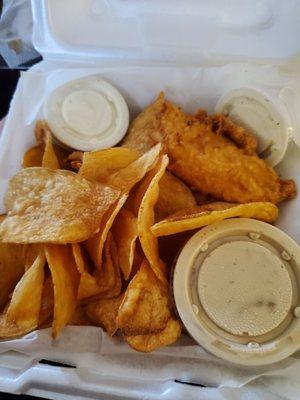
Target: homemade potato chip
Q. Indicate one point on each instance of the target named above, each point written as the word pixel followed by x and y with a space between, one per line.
pixel 47 302
pixel 53 206
pixel 9 330
pixel 25 304
pixel 109 277
pixel 53 154
pixel 125 234
pixel 127 177
pixel 33 157
pixel 100 165
pixel 147 195
pixel 30 253
pixel 104 313
pixel 65 281
pixel 151 342
pixel 146 305
pixel 95 244
pixel 87 285
pixel 105 282
pixel 207 214
pixel 174 195
pixel 11 269
pixel 49 157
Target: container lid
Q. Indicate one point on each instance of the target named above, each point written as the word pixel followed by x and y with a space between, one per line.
pixel 236 291
pixel 87 114
pixel 269 114
pixel 153 32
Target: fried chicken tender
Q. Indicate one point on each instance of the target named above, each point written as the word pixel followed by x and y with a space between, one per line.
pixel 211 154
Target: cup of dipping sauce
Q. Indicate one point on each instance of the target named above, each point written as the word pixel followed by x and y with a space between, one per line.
pixel 87 114
pixel 270 115
pixel 236 289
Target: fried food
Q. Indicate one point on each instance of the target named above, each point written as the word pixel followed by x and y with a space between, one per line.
pixel 65 282
pixel 11 269
pixel 125 233
pixel 145 198
pixel 197 217
pixel 210 154
pixel 95 244
pixel 104 313
pixel 53 207
pixel 150 342
pixel 146 305
pixel 174 195
pixel 100 165
pixel 25 304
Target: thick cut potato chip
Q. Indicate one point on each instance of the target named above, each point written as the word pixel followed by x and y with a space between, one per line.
pixel 151 342
pixel 109 277
pixel 49 157
pixel 88 285
pixel 207 214
pixel 33 157
pixel 127 177
pixel 47 206
pixel 53 155
pixel 24 307
pixel 105 282
pixel 11 269
pixel 147 195
pixel 125 234
pixel 174 195
pixel 65 281
pixel 104 313
pixel 146 305
pixel 30 253
pixel 100 165
pixel 80 317
pixel 95 244
pixel 47 303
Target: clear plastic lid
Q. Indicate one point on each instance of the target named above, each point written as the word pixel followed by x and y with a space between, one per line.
pixel 186 32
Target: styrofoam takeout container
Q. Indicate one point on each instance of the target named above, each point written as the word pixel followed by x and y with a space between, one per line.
pixel 192 50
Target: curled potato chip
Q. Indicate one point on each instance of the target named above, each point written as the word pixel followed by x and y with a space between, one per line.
pixel 151 342
pixel 109 287
pixel 104 313
pixel 53 155
pixel 125 234
pixel 101 164
pixel 207 214
pixel 49 157
pixel 11 269
pixel 65 282
pixel 95 244
pixel 47 302
pixel 105 282
pixel 146 305
pixel 53 206
pixel 146 196
pixel 25 304
pixel 174 195
pixel 30 253
pixel 127 177
pixel 87 284
pixel 33 157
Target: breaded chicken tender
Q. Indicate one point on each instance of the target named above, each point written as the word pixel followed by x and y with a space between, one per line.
pixel 211 154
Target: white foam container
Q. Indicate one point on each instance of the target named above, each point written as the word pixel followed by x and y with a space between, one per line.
pixel 189 49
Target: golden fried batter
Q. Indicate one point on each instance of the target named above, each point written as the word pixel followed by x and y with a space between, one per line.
pixel 211 154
